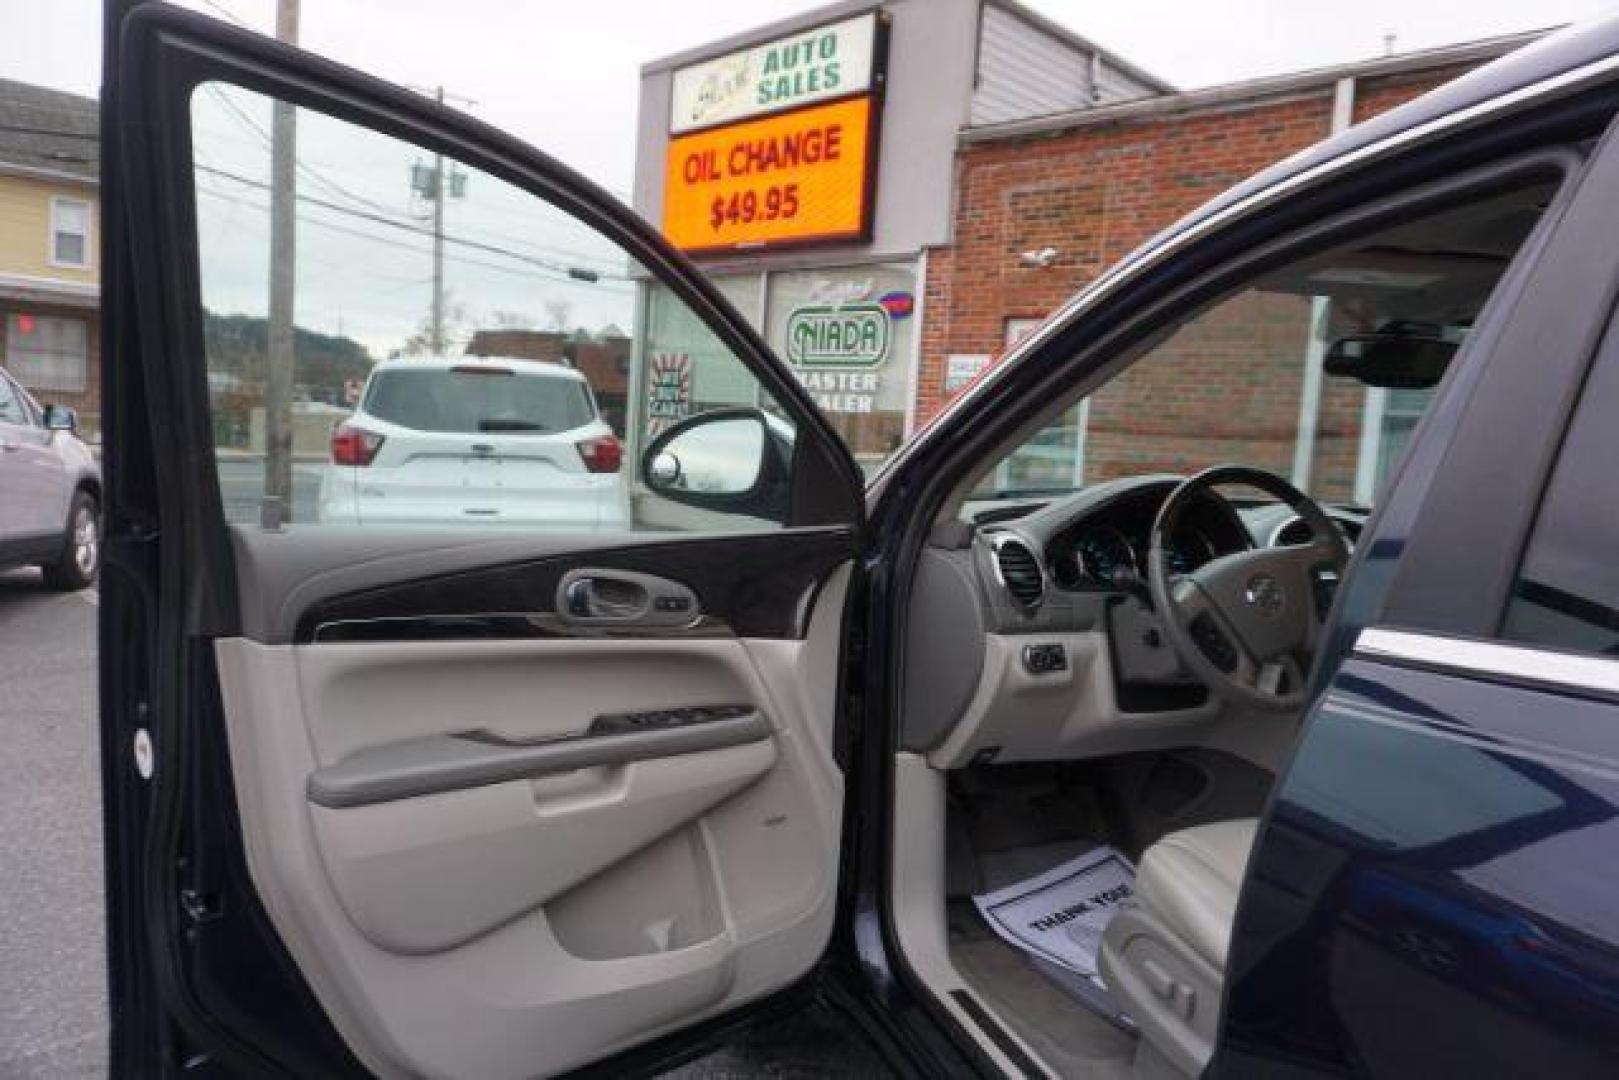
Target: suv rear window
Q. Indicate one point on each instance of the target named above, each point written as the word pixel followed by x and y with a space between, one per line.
pixel 483 401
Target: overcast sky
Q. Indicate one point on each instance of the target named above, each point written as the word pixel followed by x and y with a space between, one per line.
pixel 563 74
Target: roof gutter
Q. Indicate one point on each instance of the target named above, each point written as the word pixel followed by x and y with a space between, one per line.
pixel 32 172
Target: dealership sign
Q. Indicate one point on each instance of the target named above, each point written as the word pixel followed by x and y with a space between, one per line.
pixel 815 65
pixel 837 349
pixel 852 335
pixel 776 144
pixel 796 177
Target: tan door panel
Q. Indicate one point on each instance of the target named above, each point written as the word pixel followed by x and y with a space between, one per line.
pixel 424 874
pixel 530 925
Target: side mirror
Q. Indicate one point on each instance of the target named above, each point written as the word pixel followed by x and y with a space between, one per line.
pixel 61 418
pixel 729 460
pixel 1401 358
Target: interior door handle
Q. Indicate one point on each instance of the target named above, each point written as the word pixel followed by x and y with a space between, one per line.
pixel 588 597
pixel 592 599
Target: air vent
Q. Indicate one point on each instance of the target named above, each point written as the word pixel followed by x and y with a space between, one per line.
pixel 1295 531
pixel 1020 570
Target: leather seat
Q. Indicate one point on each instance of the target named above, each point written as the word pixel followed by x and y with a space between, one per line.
pixel 1164 956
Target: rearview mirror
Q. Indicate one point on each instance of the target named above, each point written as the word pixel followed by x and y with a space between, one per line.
pixel 1403 358
pixel 61 418
pixel 732 460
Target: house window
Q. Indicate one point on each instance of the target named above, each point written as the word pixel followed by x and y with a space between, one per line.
pixel 44 352
pixel 70 233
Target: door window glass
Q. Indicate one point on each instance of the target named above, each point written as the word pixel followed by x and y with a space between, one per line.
pixel 1318 372
pixel 1567 593
pixel 395 339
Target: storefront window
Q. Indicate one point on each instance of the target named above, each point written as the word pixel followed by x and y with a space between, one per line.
pixel 850 338
pixel 1402 408
pixel 847 333
pixel 745 292
pixel 687 369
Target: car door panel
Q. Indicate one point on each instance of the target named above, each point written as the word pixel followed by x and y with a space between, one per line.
pixel 475 831
pixel 677 884
pixel 1454 884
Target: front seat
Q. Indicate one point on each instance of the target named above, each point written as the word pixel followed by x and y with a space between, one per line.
pixel 1164 956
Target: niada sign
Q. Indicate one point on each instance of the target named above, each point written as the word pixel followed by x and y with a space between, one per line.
pixel 838 336
pixel 814 65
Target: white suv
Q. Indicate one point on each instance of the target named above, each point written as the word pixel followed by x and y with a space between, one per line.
pixel 475 439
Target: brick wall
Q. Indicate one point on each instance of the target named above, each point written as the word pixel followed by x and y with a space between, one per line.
pixel 1096 192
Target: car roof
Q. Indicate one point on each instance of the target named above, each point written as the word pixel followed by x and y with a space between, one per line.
pixel 553 369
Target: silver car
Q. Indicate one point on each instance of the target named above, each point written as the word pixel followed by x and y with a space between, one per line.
pixel 50 491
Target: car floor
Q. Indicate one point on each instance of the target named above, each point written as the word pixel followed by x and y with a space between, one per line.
pixel 1009 823
pixel 1003 832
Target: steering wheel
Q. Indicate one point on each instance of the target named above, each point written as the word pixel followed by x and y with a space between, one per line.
pixel 1248 623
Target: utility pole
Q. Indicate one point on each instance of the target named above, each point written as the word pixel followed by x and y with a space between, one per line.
pixel 277 506
pixel 437 338
pixel 433 184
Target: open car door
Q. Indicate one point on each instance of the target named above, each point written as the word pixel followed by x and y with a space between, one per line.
pixel 423 784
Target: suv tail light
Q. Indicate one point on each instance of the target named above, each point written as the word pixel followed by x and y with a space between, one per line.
pixel 354 445
pixel 603 455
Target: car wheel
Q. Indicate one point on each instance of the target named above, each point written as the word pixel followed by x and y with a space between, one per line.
pixel 81 547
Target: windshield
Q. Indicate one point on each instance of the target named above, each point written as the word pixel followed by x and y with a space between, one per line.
pixel 1318 372
pixel 480 401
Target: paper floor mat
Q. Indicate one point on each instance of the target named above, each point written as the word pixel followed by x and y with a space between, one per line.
pixel 1057 918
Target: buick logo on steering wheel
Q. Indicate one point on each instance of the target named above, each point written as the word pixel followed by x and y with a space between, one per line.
pixel 1265 594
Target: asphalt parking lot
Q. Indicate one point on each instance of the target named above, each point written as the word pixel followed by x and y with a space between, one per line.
pixel 52 987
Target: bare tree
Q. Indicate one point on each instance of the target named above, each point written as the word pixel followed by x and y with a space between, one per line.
pixel 436 340
pixel 507 319
pixel 559 311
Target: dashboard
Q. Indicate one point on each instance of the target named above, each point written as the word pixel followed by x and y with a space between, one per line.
pixel 1107 547
pixel 1033 636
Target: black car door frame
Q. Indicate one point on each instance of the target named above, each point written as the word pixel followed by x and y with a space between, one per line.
pixel 169 586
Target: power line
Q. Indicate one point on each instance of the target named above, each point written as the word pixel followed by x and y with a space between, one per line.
pixel 332 185
pixel 307 170
pixel 231 15
pixel 394 223
pixel 347 267
pixel 378 213
pixel 387 242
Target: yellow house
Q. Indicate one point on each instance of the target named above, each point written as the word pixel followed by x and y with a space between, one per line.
pixel 50 336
